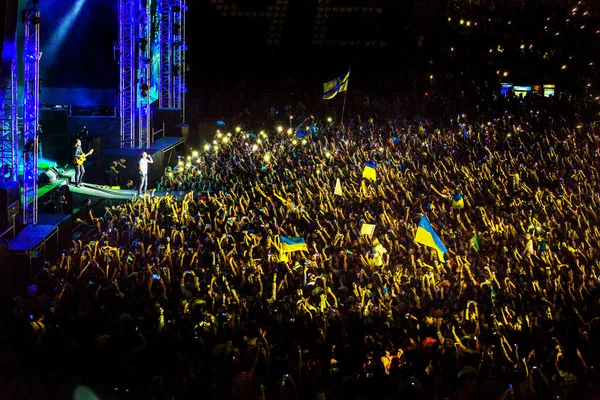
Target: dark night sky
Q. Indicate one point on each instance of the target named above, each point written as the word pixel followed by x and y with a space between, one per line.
pixel 224 48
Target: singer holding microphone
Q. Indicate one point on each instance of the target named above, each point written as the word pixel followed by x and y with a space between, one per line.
pixel 143 172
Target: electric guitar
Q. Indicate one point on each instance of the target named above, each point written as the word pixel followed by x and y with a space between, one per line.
pixel 80 159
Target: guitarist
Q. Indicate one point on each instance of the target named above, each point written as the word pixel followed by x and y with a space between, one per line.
pixel 78 161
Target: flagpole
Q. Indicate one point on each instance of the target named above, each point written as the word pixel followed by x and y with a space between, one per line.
pixel 344 107
pixel 345 96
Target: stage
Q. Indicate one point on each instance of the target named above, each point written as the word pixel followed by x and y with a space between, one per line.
pixel 26 248
pixel 164 152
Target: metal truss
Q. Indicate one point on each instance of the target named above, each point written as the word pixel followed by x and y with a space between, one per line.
pixel 127 71
pixel 144 68
pixel 179 49
pixel 31 108
pixel 9 135
pixel 165 98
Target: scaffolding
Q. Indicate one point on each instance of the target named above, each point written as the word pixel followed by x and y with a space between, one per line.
pixel 127 71
pixel 31 108
pixel 144 67
pixel 179 48
pixel 172 54
pixel 9 135
pixel 165 99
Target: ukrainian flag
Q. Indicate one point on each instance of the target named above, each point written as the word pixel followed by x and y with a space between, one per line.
pixel 289 245
pixel 370 171
pixel 458 202
pixel 338 85
pixel 303 131
pixel 427 236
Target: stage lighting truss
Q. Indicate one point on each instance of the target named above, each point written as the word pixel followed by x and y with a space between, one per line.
pixel 127 70
pixel 9 135
pixel 173 46
pixel 31 101
pixel 179 49
pixel 144 68
pixel 166 60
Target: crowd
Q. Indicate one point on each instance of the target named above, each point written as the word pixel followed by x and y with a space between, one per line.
pixel 192 295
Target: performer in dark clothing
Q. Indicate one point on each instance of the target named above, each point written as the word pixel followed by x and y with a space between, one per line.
pixel 78 160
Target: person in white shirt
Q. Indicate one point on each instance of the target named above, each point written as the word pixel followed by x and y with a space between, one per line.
pixel 143 172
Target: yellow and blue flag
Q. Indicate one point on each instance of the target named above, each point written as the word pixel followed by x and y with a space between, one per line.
pixel 289 244
pixel 338 85
pixel 457 201
pixel 370 171
pixel 303 131
pixel 427 236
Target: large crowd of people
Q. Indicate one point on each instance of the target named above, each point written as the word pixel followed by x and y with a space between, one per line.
pixel 193 294
pixel 185 296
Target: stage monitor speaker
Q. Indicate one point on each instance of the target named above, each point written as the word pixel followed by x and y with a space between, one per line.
pixel 47 177
pixel 171 117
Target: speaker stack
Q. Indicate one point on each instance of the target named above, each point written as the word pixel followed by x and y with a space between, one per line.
pixel 9 205
pixel 171 117
pixel 56 142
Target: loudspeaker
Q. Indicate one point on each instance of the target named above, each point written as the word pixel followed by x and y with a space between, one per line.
pixel 10 281
pixel 9 216
pixel 13 212
pixel 56 143
pixel 9 204
pixel 97 146
pixel 171 117
pixel 9 193
pixel 65 234
pixel 54 122
pixel 183 130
